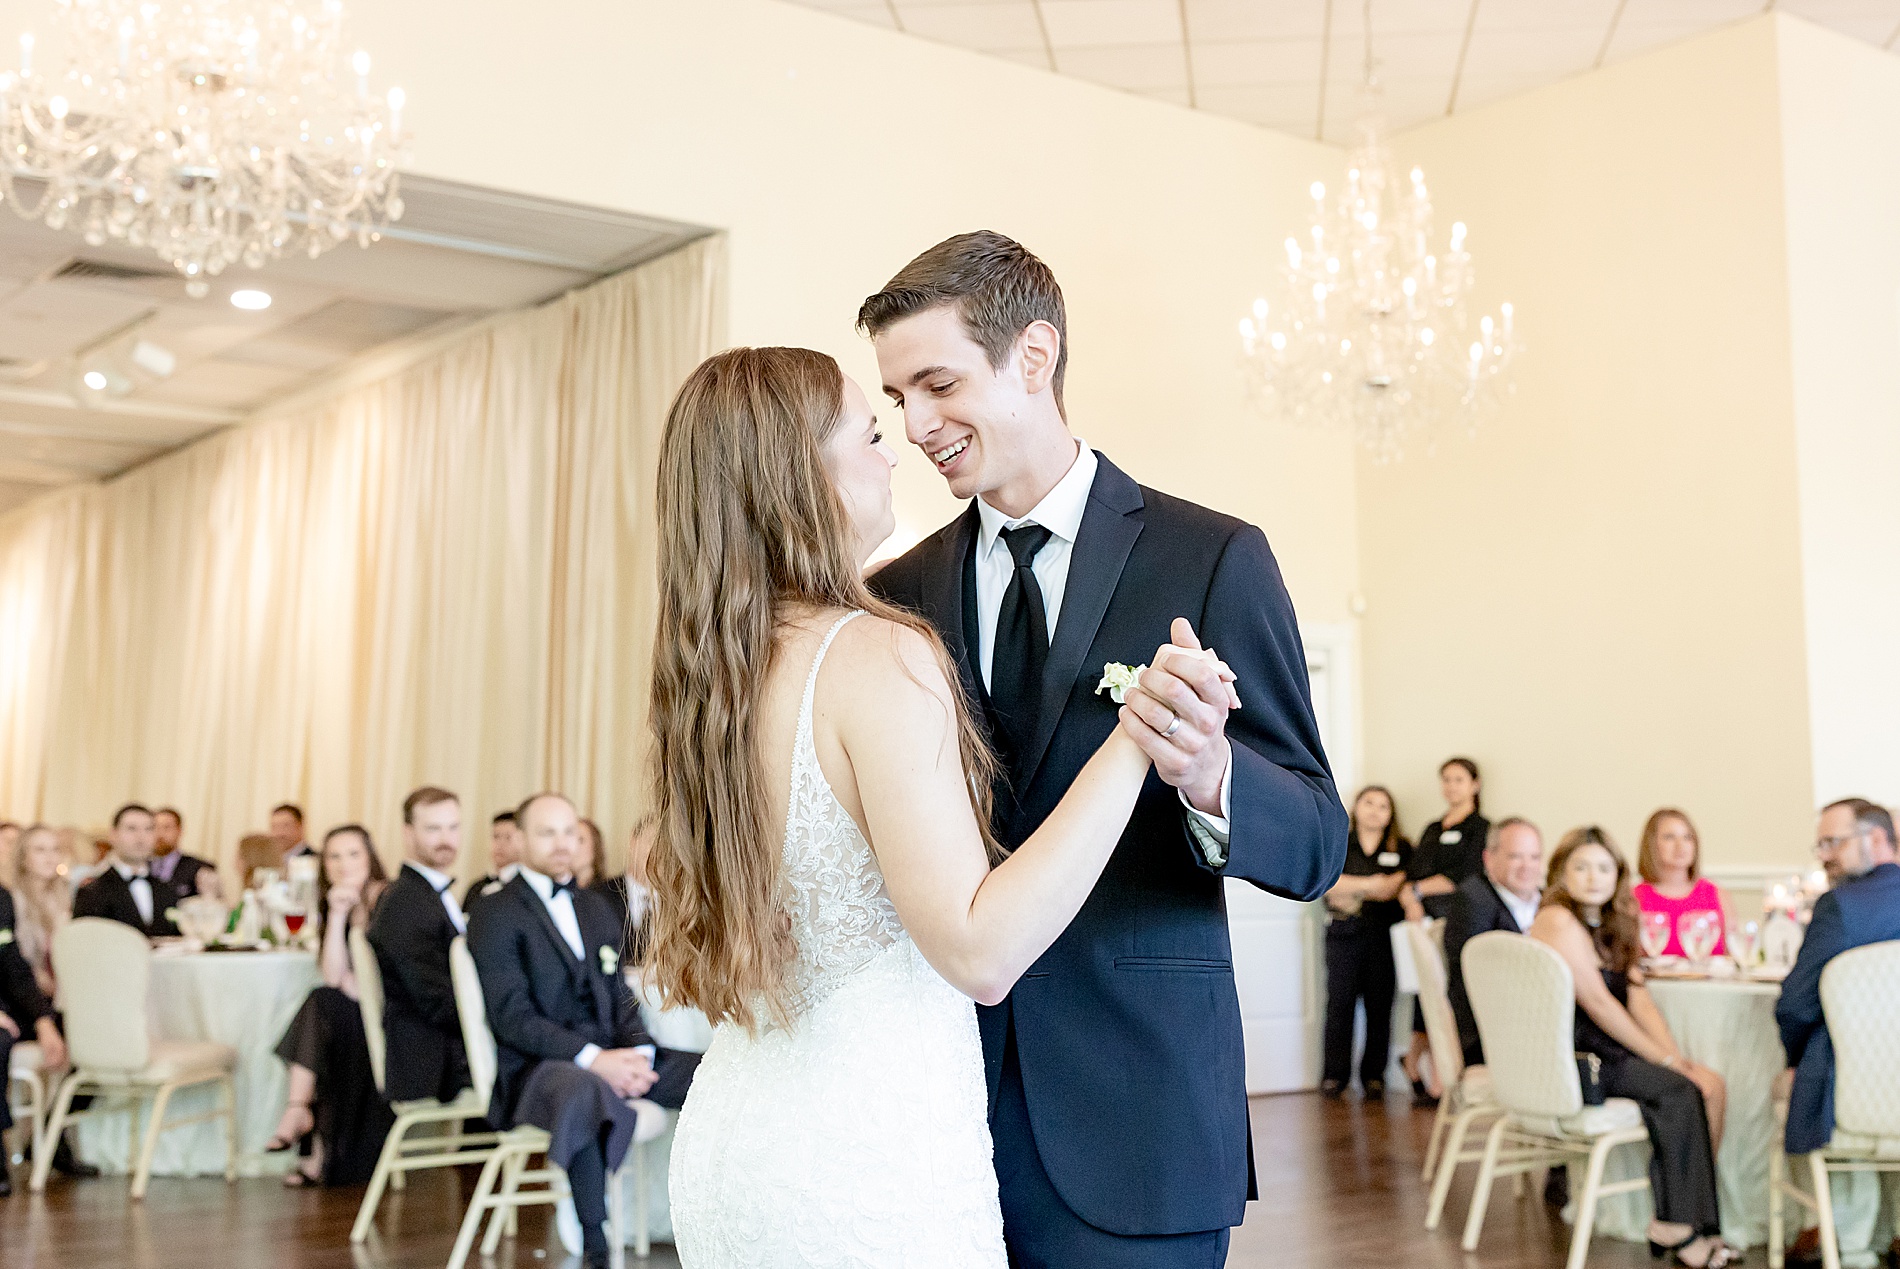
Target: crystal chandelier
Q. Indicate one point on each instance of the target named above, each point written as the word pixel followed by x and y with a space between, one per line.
pixel 1376 336
pixel 211 131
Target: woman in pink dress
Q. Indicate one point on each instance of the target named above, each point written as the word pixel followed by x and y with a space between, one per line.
pixel 1670 862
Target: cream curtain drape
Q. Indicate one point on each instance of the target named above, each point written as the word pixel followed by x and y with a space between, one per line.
pixel 446 576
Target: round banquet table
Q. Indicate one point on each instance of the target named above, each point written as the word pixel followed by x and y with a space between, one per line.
pixel 1727 1025
pixel 245 1000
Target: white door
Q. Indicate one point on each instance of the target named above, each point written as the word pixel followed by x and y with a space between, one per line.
pixel 1277 957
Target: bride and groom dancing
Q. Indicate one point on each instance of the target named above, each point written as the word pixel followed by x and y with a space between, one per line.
pixel 881 801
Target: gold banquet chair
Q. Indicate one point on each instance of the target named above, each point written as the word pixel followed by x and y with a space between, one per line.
pixel 404 1150
pixel 107 969
pixel 1467 1096
pixel 26 1071
pixel 498 1190
pixel 1525 1002
pixel 1860 998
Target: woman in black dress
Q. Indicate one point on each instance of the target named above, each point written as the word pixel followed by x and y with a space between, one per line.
pixel 1589 916
pixel 334 1114
pixel 1450 849
pixel 1361 909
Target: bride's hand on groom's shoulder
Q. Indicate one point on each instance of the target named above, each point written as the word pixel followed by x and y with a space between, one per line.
pixel 1178 712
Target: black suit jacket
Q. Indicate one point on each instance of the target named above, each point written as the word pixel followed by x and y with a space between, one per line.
pixel 1476 908
pixel 185 873
pixel 411 932
pixel 543 1003
pixel 1131 1018
pixel 110 896
pixel 20 996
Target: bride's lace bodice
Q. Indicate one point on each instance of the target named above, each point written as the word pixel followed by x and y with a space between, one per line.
pixel 841 914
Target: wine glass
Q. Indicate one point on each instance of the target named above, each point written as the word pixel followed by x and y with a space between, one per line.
pixel 1699 931
pixel 1655 934
pixel 1744 941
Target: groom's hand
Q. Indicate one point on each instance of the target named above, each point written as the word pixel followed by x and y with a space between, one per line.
pixel 1196 757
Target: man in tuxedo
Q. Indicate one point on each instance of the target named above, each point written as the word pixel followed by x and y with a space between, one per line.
pixel 25 1014
pixel 504 856
pixel 1504 895
pixel 1855 843
pixel 286 829
pixel 190 874
pixel 414 923
pixel 1118 1100
pixel 125 889
pixel 569 1044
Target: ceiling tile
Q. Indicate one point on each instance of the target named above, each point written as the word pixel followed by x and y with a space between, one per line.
pixel 1700 12
pixel 1637 37
pixel 1253 20
pixel 982 26
pixel 1552 53
pixel 1260 102
pixel 1482 90
pixel 1257 62
pixel 1036 57
pixel 1395 17
pixel 875 14
pixel 1538 15
pixel 1399 56
pixel 1095 23
pixel 1136 66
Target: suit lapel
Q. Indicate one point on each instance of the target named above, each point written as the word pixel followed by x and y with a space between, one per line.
pixel 942 595
pixel 545 919
pixel 1108 533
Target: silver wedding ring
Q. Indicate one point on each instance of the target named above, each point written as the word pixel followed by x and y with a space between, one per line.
pixel 1172 727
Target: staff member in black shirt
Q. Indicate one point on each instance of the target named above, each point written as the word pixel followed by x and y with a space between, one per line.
pixel 1449 850
pixel 1361 908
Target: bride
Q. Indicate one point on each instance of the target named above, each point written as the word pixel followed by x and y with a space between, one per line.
pixel 825 886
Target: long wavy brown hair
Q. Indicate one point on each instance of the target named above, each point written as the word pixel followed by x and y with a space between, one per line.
pixel 751 528
pixel 1615 933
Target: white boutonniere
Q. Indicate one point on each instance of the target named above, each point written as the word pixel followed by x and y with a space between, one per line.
pixel 609 961
pixel 6 937
pixel 1117 679
pixel 171 914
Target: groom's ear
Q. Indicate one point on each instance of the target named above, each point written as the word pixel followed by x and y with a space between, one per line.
pixel 1039 351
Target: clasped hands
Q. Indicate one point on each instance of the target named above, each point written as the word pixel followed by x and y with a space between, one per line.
pixel 627 1071
pixel 52 1043
pixel 1187 682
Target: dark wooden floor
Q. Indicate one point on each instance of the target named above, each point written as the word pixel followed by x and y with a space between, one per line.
pixel 1338 1181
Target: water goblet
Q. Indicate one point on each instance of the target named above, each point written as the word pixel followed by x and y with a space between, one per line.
pixel 1655 934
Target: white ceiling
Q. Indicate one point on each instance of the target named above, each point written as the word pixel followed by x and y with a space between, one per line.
pixel 1297 65
pixel 458 254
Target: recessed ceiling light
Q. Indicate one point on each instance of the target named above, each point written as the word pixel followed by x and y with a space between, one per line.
pixel 96 381
pixel 252 300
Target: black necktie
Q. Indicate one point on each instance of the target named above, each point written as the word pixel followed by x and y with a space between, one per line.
pixel 1022 644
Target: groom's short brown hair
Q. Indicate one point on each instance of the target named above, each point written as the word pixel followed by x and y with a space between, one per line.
pixel 998 289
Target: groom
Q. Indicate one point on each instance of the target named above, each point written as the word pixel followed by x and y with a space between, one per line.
pixel 1117 1095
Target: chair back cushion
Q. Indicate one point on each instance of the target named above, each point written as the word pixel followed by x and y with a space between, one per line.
pixel 1860 997
pixel 476 1037
pixel 1525 1002
pixel 369 999
pixel 1441 1027
pixel 104 970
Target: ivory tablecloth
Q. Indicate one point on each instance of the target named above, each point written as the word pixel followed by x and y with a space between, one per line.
pixel 243 999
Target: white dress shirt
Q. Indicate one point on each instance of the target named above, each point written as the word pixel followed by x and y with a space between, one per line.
pixel 440 882
pixel 1060 512
pixel 1523 911
pixel 561 908
pixel 141 886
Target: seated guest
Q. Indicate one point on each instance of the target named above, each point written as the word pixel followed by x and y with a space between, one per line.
pixel 1449 851
pixel 1589 917
pixel 286 829
pixel 24 1012
pixel 1855 842
pixel 628 893
pixel 1504 896
pixel 1671 863
pixel 333 1096
pixel 190 874
pixel 126 890
pixel 411 930
pixel 571 1049
pixel 1361 909
pixel 504 856
pixel 43 902
pixel 590 862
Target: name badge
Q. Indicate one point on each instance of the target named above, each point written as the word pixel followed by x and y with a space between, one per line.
pixel 1389 859
pixel 1455 835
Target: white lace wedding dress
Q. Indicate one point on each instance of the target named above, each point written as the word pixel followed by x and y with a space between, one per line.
pixel 857 1136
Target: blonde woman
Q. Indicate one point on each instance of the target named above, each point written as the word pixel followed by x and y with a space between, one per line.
pixel 43 899
pixel 825 887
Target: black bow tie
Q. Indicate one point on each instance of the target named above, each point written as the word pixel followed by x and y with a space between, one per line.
pixel 559 886
pixel 140 874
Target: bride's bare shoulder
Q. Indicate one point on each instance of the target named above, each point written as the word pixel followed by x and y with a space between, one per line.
pixel 886 661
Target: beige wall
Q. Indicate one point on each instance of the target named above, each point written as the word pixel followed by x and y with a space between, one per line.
pixel 832 152
pixel 1599 598
pixel 1840 107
